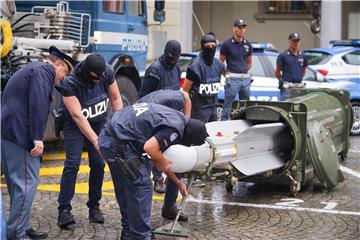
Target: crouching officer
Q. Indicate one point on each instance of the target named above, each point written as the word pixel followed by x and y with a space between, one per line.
pixel 290 67
pixel 86 93
pixel 203 81
pixel 180 101
pixel 143 128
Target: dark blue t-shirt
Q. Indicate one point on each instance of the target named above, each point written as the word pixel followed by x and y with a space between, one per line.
pixel 292 66
pixel 94 101
pixel 236 54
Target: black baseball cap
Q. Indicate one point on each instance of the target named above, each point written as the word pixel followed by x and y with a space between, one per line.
pixel 239 23
pixel 294 36
pixel 70 62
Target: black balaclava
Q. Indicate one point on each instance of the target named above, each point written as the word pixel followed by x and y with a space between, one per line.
pixel 194 133
pixel 171 54
pixel 207 53
pixel 93 63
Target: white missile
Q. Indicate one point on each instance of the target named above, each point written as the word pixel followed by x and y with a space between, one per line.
pixel 251 149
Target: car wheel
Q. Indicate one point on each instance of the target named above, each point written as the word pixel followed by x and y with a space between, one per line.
pixel 355 130
pixel 128 90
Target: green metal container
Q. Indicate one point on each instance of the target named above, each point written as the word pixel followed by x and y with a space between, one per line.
pixel 315 139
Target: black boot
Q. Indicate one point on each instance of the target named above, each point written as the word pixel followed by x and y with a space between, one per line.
pixel 170 213
pixel 36 234
pixel 65 218
pixel 95 215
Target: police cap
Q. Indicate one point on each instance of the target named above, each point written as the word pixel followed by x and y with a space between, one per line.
pixel 239 23
pixel 70 62
pixel 294 36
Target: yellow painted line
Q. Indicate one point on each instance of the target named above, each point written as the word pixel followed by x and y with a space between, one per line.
pixel 83 188
pixel 52 171
pixel 60 156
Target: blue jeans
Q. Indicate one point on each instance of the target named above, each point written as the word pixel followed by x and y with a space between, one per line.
pixel 22 177
pixel 133 196
pixel 286 93
pixel 73 141
pixel 232 88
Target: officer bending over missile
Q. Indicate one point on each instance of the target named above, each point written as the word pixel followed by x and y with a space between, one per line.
pixel 143 128
pixel 178 100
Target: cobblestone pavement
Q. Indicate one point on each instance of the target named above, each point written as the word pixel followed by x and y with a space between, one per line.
pixel 249 212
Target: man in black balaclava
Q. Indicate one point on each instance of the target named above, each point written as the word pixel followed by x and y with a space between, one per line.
pixel 86 95
pixel 164 74
pixel 203 81
pixel 92 68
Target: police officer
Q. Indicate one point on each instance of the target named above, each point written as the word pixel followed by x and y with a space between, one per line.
pixel 143 128
pixel 290 67
pixel 237 52
pixel 175 99
pixel 178 100
pixel 203 81
pixel 164 73
pixel 24 113
pixel 86 93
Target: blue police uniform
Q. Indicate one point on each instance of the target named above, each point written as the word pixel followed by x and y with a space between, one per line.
pixel 159 76
pixel 236 54
pixel 205 87
pixel 292 66
pixel 174 99
pixel 94 103
pixel 123 138
pixel 24 112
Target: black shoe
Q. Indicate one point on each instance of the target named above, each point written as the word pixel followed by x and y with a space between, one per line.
pixel 160 185
pixel 65 218
pixel 170 213
pixel 95 215
pixel 36 234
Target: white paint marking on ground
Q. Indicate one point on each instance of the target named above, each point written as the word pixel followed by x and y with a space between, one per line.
pixel 268 206
pixel 354 151
pixel 350 171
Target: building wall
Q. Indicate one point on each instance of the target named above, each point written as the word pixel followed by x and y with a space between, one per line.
pixel 212 18
pixel 178 26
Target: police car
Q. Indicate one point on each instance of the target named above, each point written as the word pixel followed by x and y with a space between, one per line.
pixel 341 58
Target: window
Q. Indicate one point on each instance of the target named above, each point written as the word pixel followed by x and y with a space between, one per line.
pixel 257 68
pixel 315 57
pixel 135 8
pixel 352 58
pixel 295 10
pixel 287 7
pixel 114 6
pixel 184 62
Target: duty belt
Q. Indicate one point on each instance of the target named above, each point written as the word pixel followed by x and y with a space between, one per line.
pixel 239 75
pixel 293 85
pixel 127 167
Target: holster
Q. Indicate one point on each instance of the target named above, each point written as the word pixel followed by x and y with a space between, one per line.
pixel 126 167
pixel 58 122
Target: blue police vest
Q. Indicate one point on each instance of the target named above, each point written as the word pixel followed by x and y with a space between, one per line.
pixel 206 90
pixel 94 101
pixel 171 98
pixel 140 122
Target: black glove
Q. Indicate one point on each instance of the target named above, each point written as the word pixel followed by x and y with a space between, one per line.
pixel 281 83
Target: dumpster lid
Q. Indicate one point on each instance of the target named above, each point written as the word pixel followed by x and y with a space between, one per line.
pixel 323 155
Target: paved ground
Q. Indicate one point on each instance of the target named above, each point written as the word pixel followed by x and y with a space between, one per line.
pixel 249 212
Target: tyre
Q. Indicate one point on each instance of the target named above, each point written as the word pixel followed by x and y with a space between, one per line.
pixel 128 90
pixel 355 129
